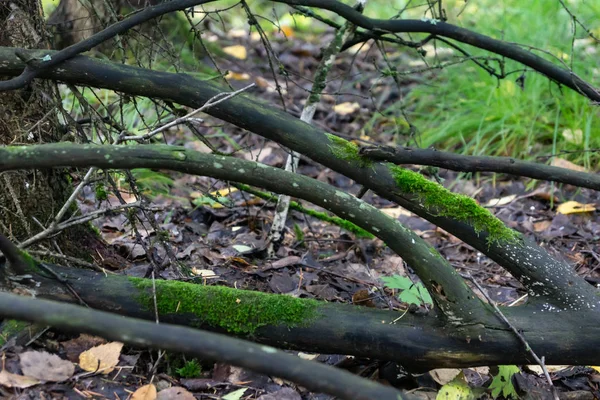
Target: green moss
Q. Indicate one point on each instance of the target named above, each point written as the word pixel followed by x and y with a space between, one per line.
pixel 236 311
pixel 323 216
pixel 345 150
pixel 460 207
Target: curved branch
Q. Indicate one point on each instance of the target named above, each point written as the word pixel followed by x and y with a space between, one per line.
pixel 440 28
pixel 137 332
pixel 528 262
pixel 463 163
pixel 36 65
pixel 449 290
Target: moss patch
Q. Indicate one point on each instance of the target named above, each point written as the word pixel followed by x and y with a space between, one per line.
pixel 345 150
pixel 236 311
pixel 452 205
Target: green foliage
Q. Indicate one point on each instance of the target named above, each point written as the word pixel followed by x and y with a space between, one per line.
pixel 463 107
pixel 191 369
pixel 459 207
pixel 455 390
pixel 502 383
pixel 236 311
pixel 101 192
pixel 298 232
pixel 345 150
pixel 411 293
pixel 212 201
pixel 152 183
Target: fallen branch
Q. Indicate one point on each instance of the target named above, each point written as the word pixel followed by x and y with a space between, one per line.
pixel 463 163
pixel 135 332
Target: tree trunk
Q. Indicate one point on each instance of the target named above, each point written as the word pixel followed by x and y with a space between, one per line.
pixel 28 116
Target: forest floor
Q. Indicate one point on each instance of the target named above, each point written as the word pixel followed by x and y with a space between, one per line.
pixel 220 238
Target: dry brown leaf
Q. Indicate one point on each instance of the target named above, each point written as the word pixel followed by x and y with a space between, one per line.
pixel 175 393
pixel 238 51
pixel 573 207
pixel 562 163
pixel 541 226
pixel 47 367
pixel 83 342
pixel 261 82
pixel 444 375
pixel 346 108
pixel 102 359
pixel 146 392
pixel 17 381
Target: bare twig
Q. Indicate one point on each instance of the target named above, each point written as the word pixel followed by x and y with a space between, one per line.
pixel 518 334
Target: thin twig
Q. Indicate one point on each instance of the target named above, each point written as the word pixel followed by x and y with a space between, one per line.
pixel 521 338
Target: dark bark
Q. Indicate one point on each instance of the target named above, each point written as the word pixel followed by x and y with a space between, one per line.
pixel 560 283
pixel 312 375
pixel 421 342
pixel 463 163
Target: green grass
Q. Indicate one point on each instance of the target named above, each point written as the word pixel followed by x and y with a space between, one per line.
pixel 464 109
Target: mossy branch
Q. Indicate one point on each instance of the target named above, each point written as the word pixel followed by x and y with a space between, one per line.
pixel 323 216
pixel 447 288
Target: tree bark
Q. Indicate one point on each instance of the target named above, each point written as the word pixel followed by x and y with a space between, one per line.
pixel 420 342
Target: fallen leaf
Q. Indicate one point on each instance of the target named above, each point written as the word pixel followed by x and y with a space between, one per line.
pixel 573 207
pixel 146 392
pixel 17 381
pixel 346 108
pixel 502 201
pixel 444 375
pixel 44 366
pixel 175 393
pixel 562 163
pixel 83 342
pixel 237 395
pixel 541 226
pixel 395 212
pixel 261 82
pixel 205 273
pixel 575 136
pixel 238 51
pixel 287 30
pixel 307 356
pixel 102 359
pixel 237 76
pixel 242 248
pixel 224 192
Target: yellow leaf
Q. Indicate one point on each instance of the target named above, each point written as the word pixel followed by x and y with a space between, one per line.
pixel 596 368
pixel 17 381
pixel 346 108
pixel 238 51
pixel 224 192
pixel 146 392
pixel 237 76
pixel 573 207
pixel 287 30
pixel 102 359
